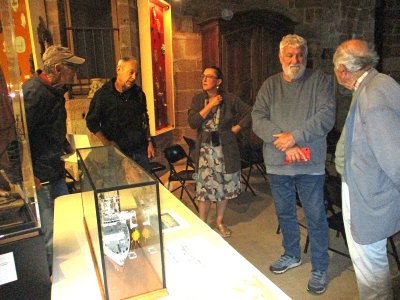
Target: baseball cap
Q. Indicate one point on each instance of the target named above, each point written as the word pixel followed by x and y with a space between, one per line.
pixel 57 54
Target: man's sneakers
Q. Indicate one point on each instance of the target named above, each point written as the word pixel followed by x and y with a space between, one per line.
pixel 318 279
pixel 284 263
pixel 317 282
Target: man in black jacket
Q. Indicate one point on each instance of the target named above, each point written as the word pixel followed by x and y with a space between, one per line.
pixel 46 121
pixel 118 114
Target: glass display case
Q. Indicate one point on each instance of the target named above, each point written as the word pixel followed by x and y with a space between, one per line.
pixel 22 246
pixel 122 219
pixel 18 205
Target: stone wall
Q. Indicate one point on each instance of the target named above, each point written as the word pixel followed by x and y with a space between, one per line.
pixel 127 16
pixel 187 69
pixel 391 39
pixel 323 23
pixel 53 20
pixel 76 123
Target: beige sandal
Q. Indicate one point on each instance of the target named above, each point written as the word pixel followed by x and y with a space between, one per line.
pixel 223 230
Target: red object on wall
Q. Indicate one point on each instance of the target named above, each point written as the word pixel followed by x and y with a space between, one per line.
pixel 158 63
pixel 22 41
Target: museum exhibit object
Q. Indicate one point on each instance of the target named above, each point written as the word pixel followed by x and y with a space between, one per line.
pixel 121 209
pixel 155 32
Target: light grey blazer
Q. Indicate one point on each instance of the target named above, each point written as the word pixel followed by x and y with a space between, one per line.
pixel 372 158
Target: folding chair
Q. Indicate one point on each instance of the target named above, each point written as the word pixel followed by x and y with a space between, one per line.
pixel 333 198
pixel 72 184
pixel 192 145
pixel 250 159
pixel 332 195
pixel 174 155
pixel 156 167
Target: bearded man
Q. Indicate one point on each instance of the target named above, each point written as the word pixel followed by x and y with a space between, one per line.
pixel 293 113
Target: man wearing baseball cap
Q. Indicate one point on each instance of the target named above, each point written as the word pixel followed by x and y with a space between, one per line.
pixel 46 121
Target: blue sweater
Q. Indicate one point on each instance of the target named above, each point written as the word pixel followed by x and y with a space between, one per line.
pixel 306 108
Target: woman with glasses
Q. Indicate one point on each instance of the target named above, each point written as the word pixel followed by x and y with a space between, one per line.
pixel 218 116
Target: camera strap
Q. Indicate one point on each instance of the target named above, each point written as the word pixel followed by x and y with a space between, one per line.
pixel 215 115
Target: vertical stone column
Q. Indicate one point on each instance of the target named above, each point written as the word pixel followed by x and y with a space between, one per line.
pixel 127 16
pixel 53 21
pixel 187 67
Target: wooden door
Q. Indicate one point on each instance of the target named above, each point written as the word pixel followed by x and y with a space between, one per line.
pixel 246 48
pixel 238 60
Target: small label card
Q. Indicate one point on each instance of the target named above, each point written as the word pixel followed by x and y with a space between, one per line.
pixel 8 271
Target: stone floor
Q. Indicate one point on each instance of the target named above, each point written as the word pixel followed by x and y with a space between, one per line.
pixel 254 225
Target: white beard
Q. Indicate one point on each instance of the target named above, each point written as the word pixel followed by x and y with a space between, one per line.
pixel 294 71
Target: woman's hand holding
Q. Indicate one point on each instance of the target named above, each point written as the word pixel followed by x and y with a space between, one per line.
pixel 215 100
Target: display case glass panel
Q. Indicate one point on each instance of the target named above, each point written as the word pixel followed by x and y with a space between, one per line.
pixel 122 217
pixel 19 213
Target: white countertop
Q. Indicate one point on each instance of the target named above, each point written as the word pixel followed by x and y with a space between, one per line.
pixel 199 264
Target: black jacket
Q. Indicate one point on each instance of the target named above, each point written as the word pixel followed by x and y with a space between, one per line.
pixel 121 117
pixel 46 122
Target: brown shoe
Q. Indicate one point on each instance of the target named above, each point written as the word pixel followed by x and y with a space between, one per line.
pixel 223 230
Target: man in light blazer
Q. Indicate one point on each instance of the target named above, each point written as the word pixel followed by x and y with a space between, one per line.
pixel 367 158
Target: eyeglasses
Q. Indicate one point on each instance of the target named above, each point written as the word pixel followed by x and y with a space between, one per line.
pixel 208 76
pixel 69 65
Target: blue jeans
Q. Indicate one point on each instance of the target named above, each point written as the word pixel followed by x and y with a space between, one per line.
pixel 310 189
pixel 370 261
pixel 46 196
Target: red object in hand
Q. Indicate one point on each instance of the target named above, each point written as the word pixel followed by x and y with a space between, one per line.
pixel 306 151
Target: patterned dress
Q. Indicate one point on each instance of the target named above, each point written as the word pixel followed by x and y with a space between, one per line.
pixel 213 183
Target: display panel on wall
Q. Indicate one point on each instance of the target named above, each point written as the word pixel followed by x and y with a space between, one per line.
pixel 22 248
pixel 18 205
pixel 21 39
pixel 156 63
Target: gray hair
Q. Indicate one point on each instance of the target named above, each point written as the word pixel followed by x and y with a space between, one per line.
pixel 355 55
pixel 49 69
pixel 293 40
pixel 125 59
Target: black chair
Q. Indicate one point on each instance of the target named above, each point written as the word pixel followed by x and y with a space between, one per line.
pixel 333 204
pixel 251 159
pixel 156 167
pixel 192 145
pixel 331 141
pixel 174 155
pixel 333 201
pixel 72 183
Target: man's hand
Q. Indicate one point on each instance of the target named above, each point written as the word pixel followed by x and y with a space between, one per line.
pixel 295 154
pixel 150 150
pixel 235 129
pixel 38 186
pixel 284 141
pixel 69 150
